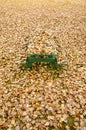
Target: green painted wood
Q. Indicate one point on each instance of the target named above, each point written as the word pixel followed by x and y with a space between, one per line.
pixel 49 58
pixel 41 60
pixel 37 58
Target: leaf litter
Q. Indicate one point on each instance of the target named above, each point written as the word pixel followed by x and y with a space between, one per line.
pixel 42 98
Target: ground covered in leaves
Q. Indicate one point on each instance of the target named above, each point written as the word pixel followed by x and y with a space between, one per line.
pixel 42 98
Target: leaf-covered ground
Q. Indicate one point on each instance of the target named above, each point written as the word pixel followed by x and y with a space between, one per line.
pixel 42 98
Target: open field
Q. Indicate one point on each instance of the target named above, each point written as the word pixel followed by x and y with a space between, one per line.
pixel 42 98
